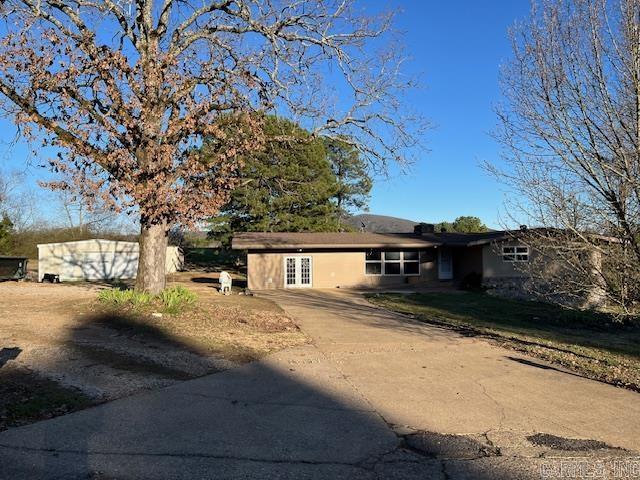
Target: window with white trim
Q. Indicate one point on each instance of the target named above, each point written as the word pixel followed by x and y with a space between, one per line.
pixel 373 262
pixel 378 262
pixel 515 253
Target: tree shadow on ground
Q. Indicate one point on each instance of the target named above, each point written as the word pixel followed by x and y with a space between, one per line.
pixel 156 350
pixel 286 417
pixel 542 366
pixel 26 397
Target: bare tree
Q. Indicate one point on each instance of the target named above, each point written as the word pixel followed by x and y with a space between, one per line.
pixel 127 89
pixel 571 127
pixel 82 217
pixel 16 202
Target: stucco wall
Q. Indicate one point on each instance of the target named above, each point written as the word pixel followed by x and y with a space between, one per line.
pixel 330 270
pixel 265 271
pixel 493 266
pixel 97 260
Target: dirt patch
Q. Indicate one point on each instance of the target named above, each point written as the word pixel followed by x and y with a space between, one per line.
pixel 60 343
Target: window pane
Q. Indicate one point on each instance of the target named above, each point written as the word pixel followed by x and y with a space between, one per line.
pixel 411 268
pixel 392 268
pixel 508 250
pixel 522 249
pixel 508 258
pixel 392 255
pixel 305 271
pixel 522 257
pixel 411 255
pixel 374 255
pixel 291 271
pixel 374 268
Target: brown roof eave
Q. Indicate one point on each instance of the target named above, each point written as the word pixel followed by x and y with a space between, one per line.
pixel 333 246
pixel 485 241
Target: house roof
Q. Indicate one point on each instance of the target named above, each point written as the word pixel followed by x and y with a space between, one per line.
pixel 329 240
pixel 342 240
pixel 469 239
pixel 345 240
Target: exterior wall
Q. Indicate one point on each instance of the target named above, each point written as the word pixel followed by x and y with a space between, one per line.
pixel 493 266
pixel 97 260
pixel 502 278
pixel 331 270
pixel 265 271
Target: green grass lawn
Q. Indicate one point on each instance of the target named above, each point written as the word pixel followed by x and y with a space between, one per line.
pixel 595 345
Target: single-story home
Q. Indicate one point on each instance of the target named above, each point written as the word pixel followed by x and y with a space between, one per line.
pixel 96 259
pixel 363 259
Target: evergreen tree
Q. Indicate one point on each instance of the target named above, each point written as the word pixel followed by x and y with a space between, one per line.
pixel 354 182
pixel 288 186
pixel 6 234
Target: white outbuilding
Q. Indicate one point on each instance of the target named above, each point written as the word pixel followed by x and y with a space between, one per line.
pixel 97 259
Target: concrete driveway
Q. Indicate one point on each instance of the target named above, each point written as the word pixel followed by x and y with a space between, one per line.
pixel 373 397
pixel 434 379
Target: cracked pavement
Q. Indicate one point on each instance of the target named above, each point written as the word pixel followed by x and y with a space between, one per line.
pixel 375 396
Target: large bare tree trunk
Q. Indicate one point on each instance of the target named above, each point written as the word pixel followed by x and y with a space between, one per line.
pixel 153 253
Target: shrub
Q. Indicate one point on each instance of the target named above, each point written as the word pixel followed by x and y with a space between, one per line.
pixel 472 281
pixel 116 297
pixel 175 299
pixel 172 300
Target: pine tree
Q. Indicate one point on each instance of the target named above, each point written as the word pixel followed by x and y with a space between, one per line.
pixel 6 234
pixel 354 182
pixel 288 186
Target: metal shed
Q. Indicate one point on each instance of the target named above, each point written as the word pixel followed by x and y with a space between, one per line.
pixel 97 259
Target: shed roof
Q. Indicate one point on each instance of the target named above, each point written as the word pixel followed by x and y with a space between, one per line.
pixel 89 240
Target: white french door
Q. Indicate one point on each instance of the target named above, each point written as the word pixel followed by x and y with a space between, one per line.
pixel 297 272
pixel 445 264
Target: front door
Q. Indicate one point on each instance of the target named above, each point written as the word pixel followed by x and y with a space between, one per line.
pixel 445 264
pixel 297 272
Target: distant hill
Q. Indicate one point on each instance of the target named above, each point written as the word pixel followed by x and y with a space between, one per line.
pixel 381 223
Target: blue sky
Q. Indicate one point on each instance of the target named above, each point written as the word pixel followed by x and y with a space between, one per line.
pixel 456 47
